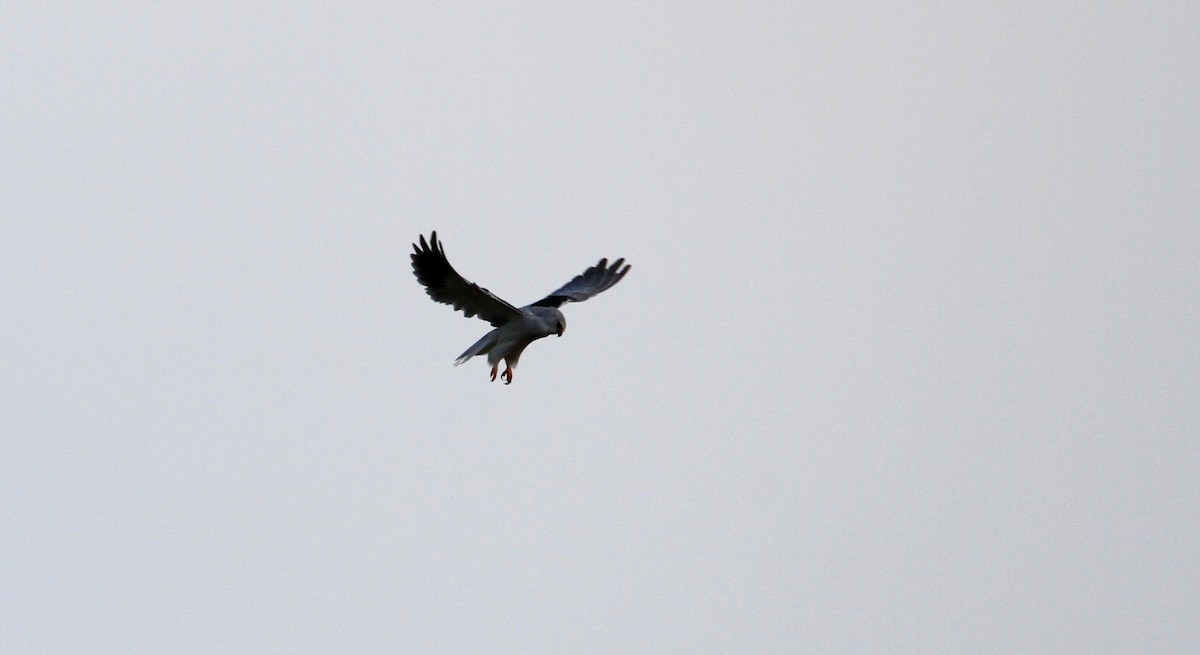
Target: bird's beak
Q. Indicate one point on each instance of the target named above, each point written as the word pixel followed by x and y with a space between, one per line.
pixel 561 330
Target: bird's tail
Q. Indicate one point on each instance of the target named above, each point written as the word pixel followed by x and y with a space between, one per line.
pixel 480 347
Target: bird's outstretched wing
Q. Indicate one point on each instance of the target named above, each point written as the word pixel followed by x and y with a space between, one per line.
pixel 445 285
pixel 586 284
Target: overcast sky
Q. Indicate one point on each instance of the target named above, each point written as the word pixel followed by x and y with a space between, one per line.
pixel 907 362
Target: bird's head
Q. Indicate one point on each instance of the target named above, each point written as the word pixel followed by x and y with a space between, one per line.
pixel 546 321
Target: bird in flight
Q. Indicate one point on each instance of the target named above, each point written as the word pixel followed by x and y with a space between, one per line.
pixel 514 328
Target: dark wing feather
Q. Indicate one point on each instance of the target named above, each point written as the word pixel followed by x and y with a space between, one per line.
pixel 587 284
pixel 445 285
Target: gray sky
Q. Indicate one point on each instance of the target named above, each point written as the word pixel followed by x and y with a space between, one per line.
pixel 907 361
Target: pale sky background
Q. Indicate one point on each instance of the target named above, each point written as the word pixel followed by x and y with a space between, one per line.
pixel 908 360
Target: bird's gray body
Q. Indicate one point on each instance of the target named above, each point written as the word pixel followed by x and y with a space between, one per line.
pixel 507 341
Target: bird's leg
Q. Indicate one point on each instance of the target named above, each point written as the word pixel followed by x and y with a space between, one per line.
pixel 494 371
pixel 507 375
